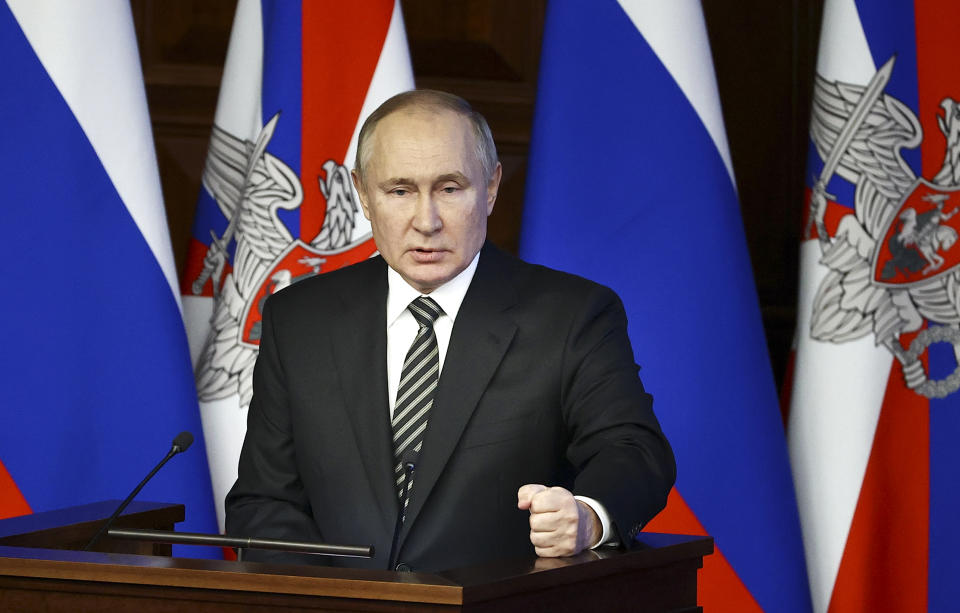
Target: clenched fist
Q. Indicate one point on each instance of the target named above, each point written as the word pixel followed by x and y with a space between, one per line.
pixel 560 525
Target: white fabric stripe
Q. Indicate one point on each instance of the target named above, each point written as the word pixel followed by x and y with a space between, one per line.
pixel 416 386
pixel 838 388
pixel 413 420
pixel 430 358
pixel 400 416
pixel 410 439
pixel 224 424
pixel 418 425
pixel 425 380
pixel 89 49
pixel 238 112
pixel 677 33
pixel 838 391
pixel 197 314
pixel 405 407
pixel 239 102
pixel 416 310
pixel 416 348
pixel 425 392
pixel 428 314
pixel 844 51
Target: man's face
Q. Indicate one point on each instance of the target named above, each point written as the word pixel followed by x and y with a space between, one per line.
pixel 425 194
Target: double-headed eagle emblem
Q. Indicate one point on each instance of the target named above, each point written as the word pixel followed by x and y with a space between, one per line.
pixel 250 187
pixel 894 267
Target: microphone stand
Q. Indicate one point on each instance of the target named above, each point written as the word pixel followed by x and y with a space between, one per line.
pixel 181 443
pixel 241 543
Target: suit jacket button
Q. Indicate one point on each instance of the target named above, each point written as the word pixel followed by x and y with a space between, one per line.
pixel 403 567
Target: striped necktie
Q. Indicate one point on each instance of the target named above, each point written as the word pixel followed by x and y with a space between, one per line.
pixel 418 381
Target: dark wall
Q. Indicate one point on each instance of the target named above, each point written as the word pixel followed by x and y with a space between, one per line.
pixel 488 52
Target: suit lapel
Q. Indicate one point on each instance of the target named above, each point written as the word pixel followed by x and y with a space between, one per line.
pixel 481 335
pixel 360 349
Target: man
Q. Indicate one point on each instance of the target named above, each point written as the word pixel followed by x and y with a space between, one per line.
pixel 445 401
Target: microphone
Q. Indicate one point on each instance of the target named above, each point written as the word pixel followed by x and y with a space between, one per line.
pixel 180 444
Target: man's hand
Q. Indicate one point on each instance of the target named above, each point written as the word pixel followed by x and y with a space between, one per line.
pixel 560 525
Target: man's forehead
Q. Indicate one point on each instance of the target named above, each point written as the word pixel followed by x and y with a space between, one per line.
pixel 417 136
pixel 423 122
pixel 428 111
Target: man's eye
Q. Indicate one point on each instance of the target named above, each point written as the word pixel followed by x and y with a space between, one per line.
pixel 450 189
pixel 399 191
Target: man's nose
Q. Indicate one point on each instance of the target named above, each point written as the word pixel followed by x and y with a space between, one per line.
pixel 426 217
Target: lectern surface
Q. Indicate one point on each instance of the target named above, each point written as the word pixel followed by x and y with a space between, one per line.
pixel 659 573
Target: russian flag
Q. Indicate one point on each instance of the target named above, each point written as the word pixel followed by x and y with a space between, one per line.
pixel 875 411
pixel 96 374
pixel 630 184
pixel 277 204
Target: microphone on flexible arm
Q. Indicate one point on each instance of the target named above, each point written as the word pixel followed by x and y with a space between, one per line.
pixel 180 444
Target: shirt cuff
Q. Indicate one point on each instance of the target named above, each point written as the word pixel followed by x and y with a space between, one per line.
pixel 604 517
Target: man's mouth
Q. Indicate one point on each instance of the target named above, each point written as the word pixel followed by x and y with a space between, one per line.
pixel 426 255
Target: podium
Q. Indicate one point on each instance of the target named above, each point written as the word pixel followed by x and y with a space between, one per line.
pixel 40 570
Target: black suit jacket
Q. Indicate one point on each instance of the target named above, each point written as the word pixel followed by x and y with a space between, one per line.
pixel 538 386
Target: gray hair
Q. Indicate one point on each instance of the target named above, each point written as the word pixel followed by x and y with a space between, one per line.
pixel 486 150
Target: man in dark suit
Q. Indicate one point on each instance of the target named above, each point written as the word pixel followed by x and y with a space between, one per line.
pixel 499 414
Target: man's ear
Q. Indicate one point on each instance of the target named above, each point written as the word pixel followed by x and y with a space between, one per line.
pixel 361 192
pixel 493 187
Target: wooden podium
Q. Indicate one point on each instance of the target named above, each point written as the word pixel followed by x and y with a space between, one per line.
pixel 40 571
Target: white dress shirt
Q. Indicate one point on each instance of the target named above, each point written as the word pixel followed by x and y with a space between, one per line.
pixel 402 329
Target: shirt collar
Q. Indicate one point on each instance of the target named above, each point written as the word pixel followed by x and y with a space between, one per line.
pixel 449 296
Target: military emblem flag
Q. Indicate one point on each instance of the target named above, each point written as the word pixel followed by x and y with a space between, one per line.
pixel 277 204
pixel 875 410
pixel 95 371
pixel 627 91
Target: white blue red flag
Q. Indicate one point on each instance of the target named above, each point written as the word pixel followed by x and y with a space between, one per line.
pixel 875 412
pixel 95 373
pixel 277 203
pixel 630 184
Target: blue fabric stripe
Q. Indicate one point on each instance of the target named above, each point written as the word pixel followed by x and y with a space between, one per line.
pixel 208 217
pixel 944 566
pixel 282 86
pixel 626 187
pixel 891 31
pixel 97 378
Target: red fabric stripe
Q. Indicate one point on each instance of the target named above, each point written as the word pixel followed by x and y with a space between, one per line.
pixel 938 74
pixel 720 589
pixel 12 502
pixel 194 266
pixel 884 564
pixel 341 47
pixel 831 218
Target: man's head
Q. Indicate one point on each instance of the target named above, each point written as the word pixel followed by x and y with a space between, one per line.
pixel 427 175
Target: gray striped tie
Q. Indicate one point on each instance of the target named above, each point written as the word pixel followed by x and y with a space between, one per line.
pixel 418 381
